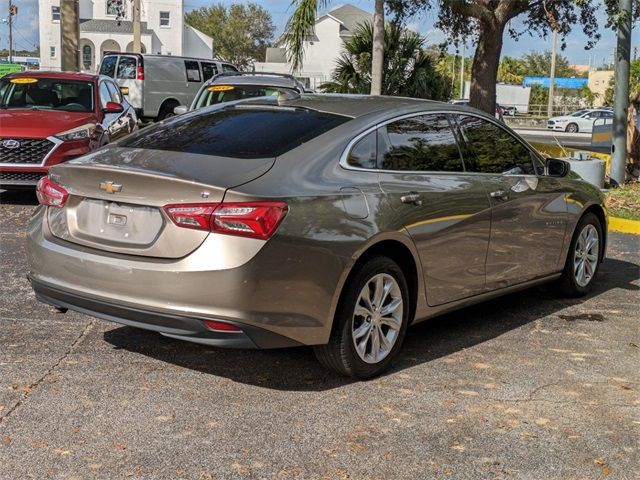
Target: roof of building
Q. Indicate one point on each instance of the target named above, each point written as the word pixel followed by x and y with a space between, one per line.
pixel 111 26
pixel 350 17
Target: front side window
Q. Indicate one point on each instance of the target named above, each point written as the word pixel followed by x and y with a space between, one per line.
pixel 116 95
pixel 108 66
pixel 193 71
pixel 165 19
pixel 127 68
pixel 423 143
pixel 55 14
pixel 48 94
pixel 363 153
pixel 105 95
pixel 237 132
pixel 209 70
pixel 214 94
pixel 491 149
pixel 228 68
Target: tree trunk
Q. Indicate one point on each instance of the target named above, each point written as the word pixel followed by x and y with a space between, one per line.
pixel 484 72
pixel 377 55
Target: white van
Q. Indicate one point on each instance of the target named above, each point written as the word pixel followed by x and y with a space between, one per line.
pixel 156 84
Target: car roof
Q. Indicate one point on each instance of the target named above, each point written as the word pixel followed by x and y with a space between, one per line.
pixel 354 106
pixel 266 79
pixel 87 77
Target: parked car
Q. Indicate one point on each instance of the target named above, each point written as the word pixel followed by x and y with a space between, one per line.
pixel 231 86
pixel 512 111
pixel 47 118
pixel 580 121
pixel 327 220
pixel 464 102
pixel 156 84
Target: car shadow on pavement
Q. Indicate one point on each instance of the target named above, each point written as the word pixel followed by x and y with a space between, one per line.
pixel 26 196
pixel 296 369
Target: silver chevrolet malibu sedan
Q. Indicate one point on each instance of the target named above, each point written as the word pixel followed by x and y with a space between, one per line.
pixel 332 221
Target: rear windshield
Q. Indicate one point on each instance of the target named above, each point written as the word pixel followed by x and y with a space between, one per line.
pixel 229 93
pixel 237 132
pixel 47 94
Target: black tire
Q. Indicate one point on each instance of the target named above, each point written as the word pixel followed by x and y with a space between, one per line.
pixel 340 353
pixel 568 283
pixel 572 128
pixel 166 110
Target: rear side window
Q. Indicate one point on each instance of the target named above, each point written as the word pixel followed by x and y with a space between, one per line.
pixel 193 71
pixel 209 70
pixel 363 153
pixel 229 93
pixel 108 66
pixel 491 149
pixel 127 68
pixel 228 68
pixel 237 132
pixel 424 143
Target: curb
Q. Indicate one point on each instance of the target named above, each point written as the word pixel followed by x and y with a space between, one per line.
pixel 622 225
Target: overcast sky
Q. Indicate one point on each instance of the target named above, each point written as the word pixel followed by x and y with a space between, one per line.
pixel 26 30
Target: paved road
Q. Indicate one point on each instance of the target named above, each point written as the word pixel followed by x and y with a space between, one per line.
pixel 525 387
pixel 581 141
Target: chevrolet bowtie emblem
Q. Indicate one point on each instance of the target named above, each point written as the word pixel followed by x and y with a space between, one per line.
pixel 110 187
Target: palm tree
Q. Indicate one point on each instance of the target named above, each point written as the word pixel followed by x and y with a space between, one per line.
pixel 408 70
pixel 300 27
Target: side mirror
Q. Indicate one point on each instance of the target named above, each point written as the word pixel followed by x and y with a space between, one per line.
pixel 113 107
pixel 181 109
pixel 557 167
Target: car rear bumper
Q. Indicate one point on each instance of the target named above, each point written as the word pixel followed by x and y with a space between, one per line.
pixel 182 327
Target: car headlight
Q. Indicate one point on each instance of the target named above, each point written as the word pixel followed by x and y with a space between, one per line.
pixel 79 133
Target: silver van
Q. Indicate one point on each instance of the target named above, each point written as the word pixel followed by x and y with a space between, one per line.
pixel 156 84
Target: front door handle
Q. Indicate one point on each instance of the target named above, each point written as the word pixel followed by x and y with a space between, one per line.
pixel 501 194
pixel 412 198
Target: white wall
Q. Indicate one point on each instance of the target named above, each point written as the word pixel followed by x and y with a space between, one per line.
pixel 171 38
pixel 196 43
pixel 49 36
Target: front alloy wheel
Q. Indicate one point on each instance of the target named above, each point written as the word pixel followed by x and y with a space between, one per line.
pixel 585 256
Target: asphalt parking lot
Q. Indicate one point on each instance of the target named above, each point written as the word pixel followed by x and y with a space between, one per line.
pixel 525 387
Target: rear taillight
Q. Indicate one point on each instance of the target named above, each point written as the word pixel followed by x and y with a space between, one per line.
pixel 140 73
pixel 51 194
pixel 244 219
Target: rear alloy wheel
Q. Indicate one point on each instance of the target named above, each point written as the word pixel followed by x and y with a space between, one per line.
pixel 572 128
pixel 583 259
pixel 370 321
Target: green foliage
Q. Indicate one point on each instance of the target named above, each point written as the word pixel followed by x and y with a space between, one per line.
pixel 538 64
pixel 408 70
pixel 299 27
pixel 241 32
pixel 511 70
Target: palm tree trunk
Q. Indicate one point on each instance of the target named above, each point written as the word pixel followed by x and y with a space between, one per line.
pixel 377 55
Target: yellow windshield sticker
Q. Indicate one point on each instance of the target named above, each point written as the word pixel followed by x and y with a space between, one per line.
pixel 24 80
pixel 220 88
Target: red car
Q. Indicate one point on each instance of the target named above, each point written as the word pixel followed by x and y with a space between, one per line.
pixel 50 117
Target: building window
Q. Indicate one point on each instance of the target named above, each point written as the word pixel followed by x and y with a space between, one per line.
pixel 87 55
pixel 55 14
pixel 165 19
pixel 52 52
pixel 115 8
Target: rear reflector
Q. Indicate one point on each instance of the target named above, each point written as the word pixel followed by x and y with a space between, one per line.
pixel 50 193
pixel 221 326
pixel 245 219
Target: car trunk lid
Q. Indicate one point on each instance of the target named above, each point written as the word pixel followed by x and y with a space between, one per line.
pixel 116 197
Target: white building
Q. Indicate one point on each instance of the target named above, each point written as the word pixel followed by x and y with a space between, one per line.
pixel 163 31
pixel 322 49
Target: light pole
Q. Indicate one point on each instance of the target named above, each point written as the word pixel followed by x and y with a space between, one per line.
pixel 621 95
pixel 552 76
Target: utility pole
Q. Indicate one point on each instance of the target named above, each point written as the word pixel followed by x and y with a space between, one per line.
pixel 69 36
pixel 137 42
pixel 552 76
pixel 462 73
pixel 621 95
pixel 12 11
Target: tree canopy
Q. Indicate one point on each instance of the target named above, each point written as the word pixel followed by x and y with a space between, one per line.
pixel 241 32
pixel 408 70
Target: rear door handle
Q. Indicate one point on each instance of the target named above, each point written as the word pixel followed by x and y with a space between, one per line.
pixel 501 194
pixel 412 198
